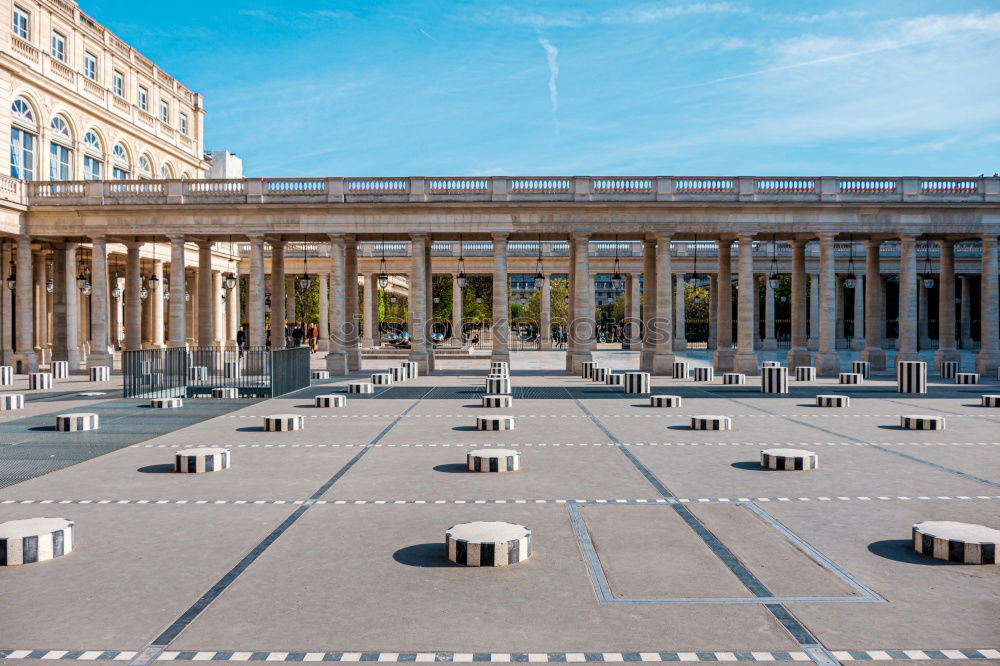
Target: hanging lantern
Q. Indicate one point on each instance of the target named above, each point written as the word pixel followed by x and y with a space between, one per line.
pixel 462 277
pixel 303 281
pixel 153 282
pixel 392 299
pixel 87 289
pixel 81 281
pixel 850 280
pixel 383 273
pixel 617 280
pixel 539 275
pixel 50 285
pixel 143 292
pixel 166 294
pixel 479 300
pixel 928 279
pixel 229 282
pixel 187 297
pixel 116 291
pixel 773 278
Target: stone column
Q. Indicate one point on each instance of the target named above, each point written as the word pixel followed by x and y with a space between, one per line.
pixel 874 320
pixel 191 302
pixel 233 312
pixel 648 304
pixel 907 343
pixel 336 358
pixel 988 358
pixel 456 310
pixel 65 310
pixel 860 287
pixel 758 342
pixel 680 316
pixel 177 336
pixel 156 304
pixel 582 328
pixel 291 294
pixel 713 311
pixel 429 299
pixel 841 299
pixel 133 302
pixel 323 343
pixel 663 359
pixel 99 304
pixel 770 341
pixel 417 310
pixel 371 310
pixel 923 318
pixel 571 306
pixel 745 360
pixel 41 311
pixel 799 353
pixel 206 311
pixel 966 324
pixel 814 284
pixel 82 327
pixel 278 294
pixel 633 313
pixel 827 360
pixel 218 312
pixel 353 340
pixel 724 316
pixel 946 350
pixel 545 313
pixel 256 333
pixel 25 327
pixel 501 306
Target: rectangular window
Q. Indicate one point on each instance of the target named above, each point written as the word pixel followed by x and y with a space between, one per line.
pixel 119 174
pixel 143 99
pixel 165 112
pixel 91 168
pixel 90 66
pixel 58 46
pixel 21 25
pixel 22 154
pixel 119 84
pixel 183 123
pixel 58 162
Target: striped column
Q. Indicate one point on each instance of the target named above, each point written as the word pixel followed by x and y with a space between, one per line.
pixel 412 370
pixel 989 400
pixel 921 422
pixel 614 379
pixel 774 380
pixel 665 401
pixel 381 379
pixel 788 459
pixel 32 540
pixel 494 423
pixel 6 375
pixel 711 423
pixel 76 421
pixel 833 401
pixel 225 393
pixel 911 377
pixel 805 373
pixel 704 374
pixel 966 377
pixel 851 378
pixel 360 387
pixel 498 401
pixel 39 381
pixel 948 369
pixel 11 401
pixel 493 460
pixel 734 378
pixel 283 422
pixel 60 369
pixel 488 544
pixel 330 400
pixel 319 374
pixel 966 543
pixel 166 403
pixel 587 369
pixel 600 374
pixel 863 368
pixel 498 385
pixel 636 382
pixel 681 369
pixel 202 460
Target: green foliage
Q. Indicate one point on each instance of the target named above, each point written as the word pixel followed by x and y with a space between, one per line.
pixel 559 292
pixel 388 311
pixel 478 286
pixel 696 311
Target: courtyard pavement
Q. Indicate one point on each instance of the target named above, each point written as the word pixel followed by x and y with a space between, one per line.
pixel 651 542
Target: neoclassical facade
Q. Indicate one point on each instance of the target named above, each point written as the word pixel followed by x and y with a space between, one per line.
pixel 902 218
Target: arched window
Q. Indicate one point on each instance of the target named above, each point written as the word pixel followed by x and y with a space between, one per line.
pixel 122 166
pixel 166 173
pixel 93 157
pixel 145 167
pixel 60 150
pixel 23 138
pixel 185 175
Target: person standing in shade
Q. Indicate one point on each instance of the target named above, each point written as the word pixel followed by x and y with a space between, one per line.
pixel 241 338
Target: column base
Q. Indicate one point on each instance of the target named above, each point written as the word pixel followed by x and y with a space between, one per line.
pixel 857 344
pixel 645 360
pixel 812 344
pixel 827 364
pixel 419 357
pixel 576 360
pixel 746 363
pixel 100 358
pixel 722 360
pixel 353 359
pixel 680 344
pixel 987 362
pixel 798 356
pixel 769 344
pixel 946 355
pixel 908 356
pixel 323 345
pixel 875 356
pixel 28 362
pixel 663 363
pixel 72 356
pixel 545 345
pixel 336 363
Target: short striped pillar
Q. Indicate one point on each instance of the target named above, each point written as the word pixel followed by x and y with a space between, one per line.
pixel 494 423
pixel 614 379
pixel 966 377
pixel 989 400
pixel 487 544
pixel 166 403
pixel 32 540
pixel 587 369
pixel 283 422
pixel 498 401
pixel 232 369
pixel 711 423
pixel 493 460
pixel 497 385
pixel 331 400
pixel 60 369
pixel 381 379
pixel 966 543
pixel 833 401
pixel 921 422
pixel 10 401
pixel 38 381
pixel 636 382
pixel 320 374
pixel 911 377
pixel 411 369
pixel 704 374
pixel 500 366
pixel 805 373
pixel 600 374
pixel 851 378
pixel 76 421
pixel 773 379
pixel 770 364
pixel 681 369
pixel 665 401
pixel 225 393
pixel 360 387
pixel 6 375
pixel 949 368
pixel 863 368
pixel 198 373
pixel 202 460
pixel 100 373
pixel 788 459
pixel 399 374
pixel 734 378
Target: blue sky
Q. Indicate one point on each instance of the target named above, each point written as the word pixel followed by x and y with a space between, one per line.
pixel 893 87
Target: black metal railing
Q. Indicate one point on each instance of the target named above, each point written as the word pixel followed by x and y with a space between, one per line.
pixel 289 370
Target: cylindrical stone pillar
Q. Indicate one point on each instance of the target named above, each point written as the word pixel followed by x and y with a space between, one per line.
pixel 133 301
pixel 745 360
pixel 827 360
pixel 371 310
pixel 860 288
pixel 873 352
pixel 501 306
pixel 456 310
pixel 256 333
pixel 178 287
pixel 770 341
pixel 813 341
pixel 233 312
pixel 277 294
pixel 988 358
pixel 41 307
pixel 966 323
pixel 799 353
pixel 663 359
pixel 323 343
pixel 583 326
pixel 429 300
pixel 206 304
pixel 545 313
pixel 634 311
pixel 336 358
pixel 350 286
pixel 907 345
pixel 417 310
pixel 648 304
pixel 99 304
pixel 724 309
pixel 947 350
pixel 680 316
pixel 65 307
pixel 156 305
pixel 713 313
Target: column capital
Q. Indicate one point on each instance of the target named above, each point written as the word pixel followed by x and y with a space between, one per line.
pixel 502 236
pixel 797 242
pixel 988 238
pixel 907 237
pixel 133 244
pixel 946 242
pixel 205 243
pixel 826 235
pixel 337 238
pixel 99 238
pixel 745 234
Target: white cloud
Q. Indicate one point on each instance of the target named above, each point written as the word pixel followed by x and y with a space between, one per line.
pixel 831 15
pixel 647 13
pixel 552 56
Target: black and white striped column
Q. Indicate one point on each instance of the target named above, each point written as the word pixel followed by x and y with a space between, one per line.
pixel 833 401
pixel 399 374
pixel 100 373
pixel 711 423
pixel 494 422
pixel 166 403
pixel 319 374
pixel 331 400
pixel 9 401
pixel 921 422
pixel 636 382
pixel 497 385
pixel 76 421
pixel 614 379
pixel 360 387
pixel 788 459
pixel 38 381
pixel 381 379
pixel 6 375
pixel 911 377
pixel 411 369
pixel 198 373
pixel 493 460
pixel 949 368
pixel 770 364
pixel 863 368
pixel 966 377
pixel 225 393
pixel 665 401
pixel 283 422
pixel 966 543
pixel 773 379
pixel 31 540
pixel 497 401
pixel 851 378
pixel 805 373
pixel 488 544
pixel 681 369
pixel 60 369
pixel 734 378
pixel 201 460
pixel 989 400
pixel 704 374
pixel 232 369
pixel 600 374
pixel 587 369
pixel 499 367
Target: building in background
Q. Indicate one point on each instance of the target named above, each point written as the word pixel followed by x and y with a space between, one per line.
pixel 223 164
